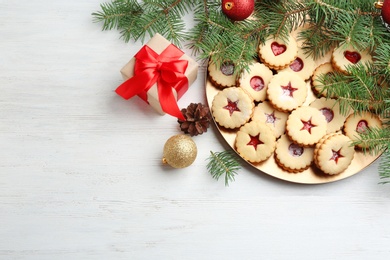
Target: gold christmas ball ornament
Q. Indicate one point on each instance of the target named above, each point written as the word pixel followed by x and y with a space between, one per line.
pixel 179 151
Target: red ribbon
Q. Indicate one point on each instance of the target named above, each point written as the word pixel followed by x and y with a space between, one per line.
pixel 166 69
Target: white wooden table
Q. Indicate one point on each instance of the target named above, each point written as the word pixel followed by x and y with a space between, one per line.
pixel 81 174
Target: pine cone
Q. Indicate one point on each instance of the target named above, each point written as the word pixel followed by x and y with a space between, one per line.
pixel 197 117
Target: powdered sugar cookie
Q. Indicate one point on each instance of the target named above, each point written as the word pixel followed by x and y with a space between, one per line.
pixel 334 155
pixel 274 118
pixel 255 81
pixel 306 126
pixel 255 141
pixel 292 157
pixel 232 107
pixel 330 108
pixel 346 55
pixel 303 65
pixel 222 76
pixel 357 124
pixel 321 141
pixel 287 91
pixel 278 53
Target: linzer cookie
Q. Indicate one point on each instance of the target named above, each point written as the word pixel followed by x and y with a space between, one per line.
pixel 303 65
pixel 222 76
pixel 278 53
pixel 292 157
pixel 334 154
pixel 232 107
pixel 274 118
pixel 321 141
pixel 357 124
pixel 255 81
pixel 287 91
pixel 306 126
pixel 255 141
pixel 346 55
pixel 330 108
pixel 318 76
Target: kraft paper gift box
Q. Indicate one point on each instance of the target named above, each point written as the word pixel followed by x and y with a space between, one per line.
pixel 169 69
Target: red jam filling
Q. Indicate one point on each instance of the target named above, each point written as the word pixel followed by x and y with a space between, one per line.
pixel 257 83
pixel 277 48
pixel 307 125
pixel 336 155
pixel 328 113
pixel 297 65
pixel 288 90
pixel 271 118
pixel 362 126
pixel 227 68
pixel 352 56
pixel 255 141
pixel 232 106
pixel 295 150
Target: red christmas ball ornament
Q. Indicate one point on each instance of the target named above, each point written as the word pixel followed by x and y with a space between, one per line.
pixel 385 12
pixel 238 10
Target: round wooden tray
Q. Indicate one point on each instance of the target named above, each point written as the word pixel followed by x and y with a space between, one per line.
pixel 309 176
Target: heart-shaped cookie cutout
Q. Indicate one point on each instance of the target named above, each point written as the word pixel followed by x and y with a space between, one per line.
pixel 277 48
pixel 352 56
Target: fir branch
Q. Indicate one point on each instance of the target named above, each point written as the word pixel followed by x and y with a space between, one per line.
pixel 374 140
pixel 382 61
pixel 113 14
pixel 136 20
pixel 384 167
pixel 221 163
pixel 281 17
pixel 357 90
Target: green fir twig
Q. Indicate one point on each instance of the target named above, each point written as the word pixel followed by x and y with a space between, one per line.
pixel 384 167
pixel 223 163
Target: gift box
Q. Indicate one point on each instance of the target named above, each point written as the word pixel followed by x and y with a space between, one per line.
pixel 160 73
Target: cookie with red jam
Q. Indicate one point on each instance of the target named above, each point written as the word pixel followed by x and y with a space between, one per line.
pixel 303 65
pixel 346 56
pixel 287 91
pixel 292 157
pixel 274 118
pixel 278 53
pixel 222 76
pixel 232 107
pixel 330 108
pixel 255 81
pixel 318 77
pixel 334 153
pixel 357 124
pixel 255 141
pixel 306 126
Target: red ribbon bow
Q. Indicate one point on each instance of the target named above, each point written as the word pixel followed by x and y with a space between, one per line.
pixel 166 69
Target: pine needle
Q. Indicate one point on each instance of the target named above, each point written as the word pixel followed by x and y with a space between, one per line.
pixel 221 163
pixel 384 167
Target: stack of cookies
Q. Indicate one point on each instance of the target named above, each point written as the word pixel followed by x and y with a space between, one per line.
pixel 269 109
